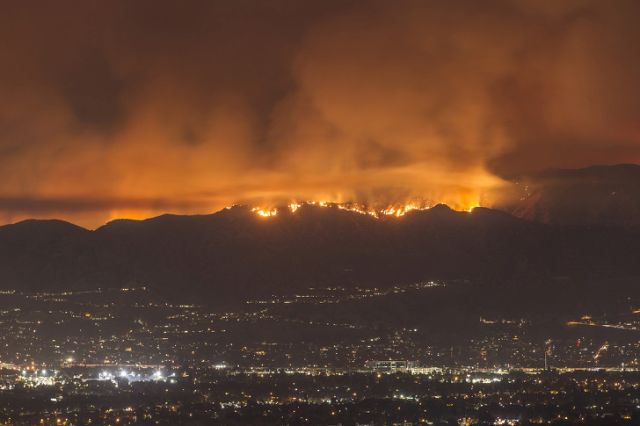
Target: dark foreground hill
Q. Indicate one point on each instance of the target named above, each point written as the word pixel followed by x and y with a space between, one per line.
pixel 234 253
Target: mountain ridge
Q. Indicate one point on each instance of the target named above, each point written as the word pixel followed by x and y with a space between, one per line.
pixel 234 254
pixel 566 225
pixel 596 195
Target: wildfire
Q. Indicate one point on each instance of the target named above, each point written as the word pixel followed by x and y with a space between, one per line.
pixel 294 206
pixel 398 211
pixel 391 211
pixel 357 209
pixel 265 212
pixel 471 207
pixel 268 210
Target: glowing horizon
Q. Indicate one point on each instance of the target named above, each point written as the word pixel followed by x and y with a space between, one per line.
pixel 365 103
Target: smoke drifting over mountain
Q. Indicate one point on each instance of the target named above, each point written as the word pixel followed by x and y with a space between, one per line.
pixel 129 109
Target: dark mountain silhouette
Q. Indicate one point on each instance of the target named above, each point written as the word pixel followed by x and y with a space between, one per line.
pixel 604 195
pixel 234 253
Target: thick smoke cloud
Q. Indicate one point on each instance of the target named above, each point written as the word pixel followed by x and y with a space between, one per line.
pixel 114 109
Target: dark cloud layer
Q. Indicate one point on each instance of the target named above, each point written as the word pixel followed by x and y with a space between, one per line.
pixel 202 104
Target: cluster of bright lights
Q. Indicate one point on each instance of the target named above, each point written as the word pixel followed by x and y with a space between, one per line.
pixel 396 210
pixel 132 376
pixel 220 366
pixel 35 372
pixel 105 375
pixel 34 377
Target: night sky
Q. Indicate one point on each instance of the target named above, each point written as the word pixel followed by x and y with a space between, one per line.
pixel 135 108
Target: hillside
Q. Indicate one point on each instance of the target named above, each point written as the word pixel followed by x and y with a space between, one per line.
pixel 234 253
pixel 597 195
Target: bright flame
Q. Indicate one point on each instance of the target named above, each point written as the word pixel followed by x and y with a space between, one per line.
pixel 396 210
pixel 294 206
pixel 463 202
pixel 356 208
pixel 265 212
